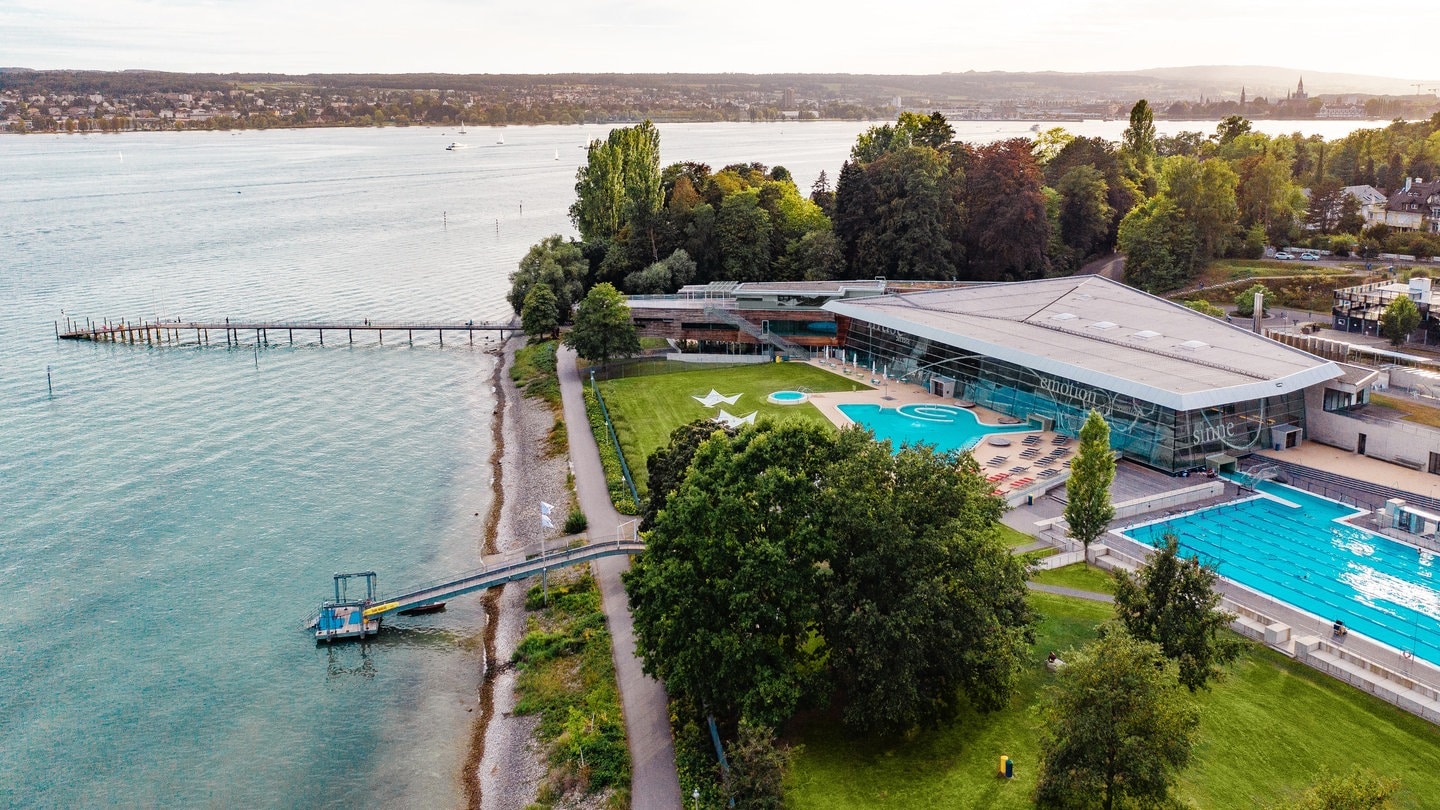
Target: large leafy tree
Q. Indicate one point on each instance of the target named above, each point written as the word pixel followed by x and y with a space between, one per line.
pixel 1268 197
pixel 1008 228
pixel 724 594
pixel 666 468
pixel 1204 192
pixel 665 276
pixel 1085 212
pixel 910 129
pixel 1171 601
pixel 924 605
pixel 1121 194
pixel 539 316
pixel 1399 319
pixel 1117 729
pixel 1159 245
pixel 788 552
pixel 742 233
pixel 556 263
pixel 896 216
pixel 603 328
pixel 1088 510
pixel 1322 212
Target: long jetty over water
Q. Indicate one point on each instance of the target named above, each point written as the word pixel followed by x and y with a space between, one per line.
pixel 236 333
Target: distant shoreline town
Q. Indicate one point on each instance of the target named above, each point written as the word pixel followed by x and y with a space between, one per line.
pixel 94 101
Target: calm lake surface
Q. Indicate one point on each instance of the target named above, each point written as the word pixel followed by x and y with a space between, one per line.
pixel 172 514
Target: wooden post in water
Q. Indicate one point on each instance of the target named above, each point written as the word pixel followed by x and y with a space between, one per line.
pixel 411 332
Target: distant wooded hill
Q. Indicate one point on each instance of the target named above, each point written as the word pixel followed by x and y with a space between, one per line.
pixel 1159 84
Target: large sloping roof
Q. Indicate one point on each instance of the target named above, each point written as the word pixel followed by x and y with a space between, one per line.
pixel 1103 333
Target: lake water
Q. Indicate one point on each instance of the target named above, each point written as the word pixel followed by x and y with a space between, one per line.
pixel 171 514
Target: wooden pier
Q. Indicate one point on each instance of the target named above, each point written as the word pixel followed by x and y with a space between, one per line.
pixel 237 333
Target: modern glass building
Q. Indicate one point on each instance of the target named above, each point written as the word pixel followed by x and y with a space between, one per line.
pixel 1178 388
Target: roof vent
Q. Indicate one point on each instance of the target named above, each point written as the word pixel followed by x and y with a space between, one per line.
pixel 1084 297
pixel 1145 334
pixel 1193 345
pixel 1103 325
pixel 1064 316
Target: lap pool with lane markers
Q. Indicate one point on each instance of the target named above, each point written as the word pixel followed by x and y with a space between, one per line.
pixel 1291 547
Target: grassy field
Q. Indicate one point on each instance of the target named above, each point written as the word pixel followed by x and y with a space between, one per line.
pixel 646 409
pixel 1080 576
pixel 1265 733
pixel 1414 411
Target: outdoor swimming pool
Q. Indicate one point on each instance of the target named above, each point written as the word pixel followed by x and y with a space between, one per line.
pixel 948 427
pixel 1295 552
pixel 789 397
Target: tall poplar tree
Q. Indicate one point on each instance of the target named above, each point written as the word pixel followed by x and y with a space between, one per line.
pixel 1088 510
pixel 619 183
pixel 1138 142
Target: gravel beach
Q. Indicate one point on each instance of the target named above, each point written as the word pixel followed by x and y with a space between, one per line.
pixel 510 766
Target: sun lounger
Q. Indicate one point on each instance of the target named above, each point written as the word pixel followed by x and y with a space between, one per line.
pixel 1032 439
pixel 1020 482
pixel 1050 473
pixel 1018 470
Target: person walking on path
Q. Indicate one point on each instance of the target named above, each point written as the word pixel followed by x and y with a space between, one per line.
pixel 654 782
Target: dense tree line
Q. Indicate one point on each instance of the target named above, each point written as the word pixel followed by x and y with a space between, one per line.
pixel 911 202
pixel 1235 191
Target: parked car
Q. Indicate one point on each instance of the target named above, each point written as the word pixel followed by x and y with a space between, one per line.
pixel 1309 257
pixel 1283 255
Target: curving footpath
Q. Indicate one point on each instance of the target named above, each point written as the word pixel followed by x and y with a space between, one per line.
pixel 654 784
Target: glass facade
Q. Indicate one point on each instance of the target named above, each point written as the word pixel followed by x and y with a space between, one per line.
pixel 1143 431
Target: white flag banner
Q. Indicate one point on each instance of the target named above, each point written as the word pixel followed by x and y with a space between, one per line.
pixel 546 508
pixel 545 521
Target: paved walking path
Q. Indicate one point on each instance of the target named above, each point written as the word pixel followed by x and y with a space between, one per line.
pixel 654 784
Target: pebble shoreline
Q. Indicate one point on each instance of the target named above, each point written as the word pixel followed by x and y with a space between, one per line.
pixel 511 764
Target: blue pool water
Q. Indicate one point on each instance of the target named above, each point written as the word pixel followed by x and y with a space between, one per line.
pixel 1298 554
pixel 946 426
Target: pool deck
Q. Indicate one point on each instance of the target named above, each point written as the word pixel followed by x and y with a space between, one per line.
pixel 895 394
pixel 1343 462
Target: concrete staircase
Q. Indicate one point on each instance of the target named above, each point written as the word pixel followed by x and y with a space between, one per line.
pixel 1344 488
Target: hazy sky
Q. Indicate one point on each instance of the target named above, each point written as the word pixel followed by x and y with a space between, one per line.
pixel 747 36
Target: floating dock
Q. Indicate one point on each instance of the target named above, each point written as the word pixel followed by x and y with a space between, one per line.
pixel 345 617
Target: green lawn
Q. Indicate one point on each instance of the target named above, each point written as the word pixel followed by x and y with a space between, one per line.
pixel 1265 731
pixel 1014 538
pixel 646 409
pixel 1080 576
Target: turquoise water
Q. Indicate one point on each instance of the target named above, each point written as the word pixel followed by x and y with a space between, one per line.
pixel 1295 552
pixel 946 426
